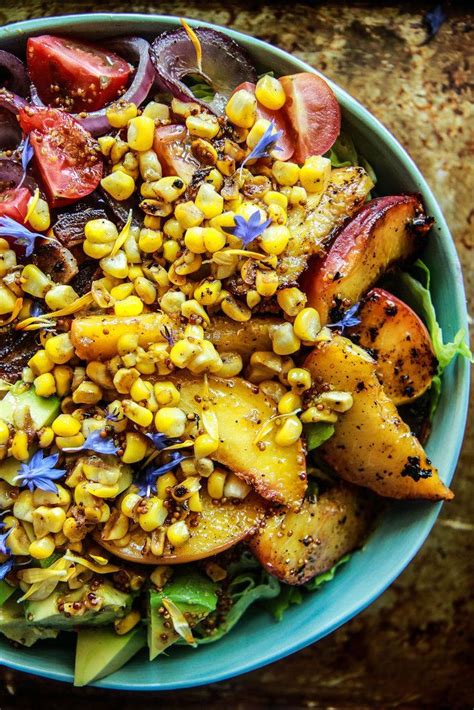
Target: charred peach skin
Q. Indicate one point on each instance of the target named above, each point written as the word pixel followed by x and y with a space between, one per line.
pixel 385 231
pixel 371 445
pixel 400 343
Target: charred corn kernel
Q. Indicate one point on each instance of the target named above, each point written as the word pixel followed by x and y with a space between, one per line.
pixel 285 173
pixel 140 133
pixel 205 445
pixel 172 228
pixel 40 362
pixel 209 201
pixel 73 530
pixel 118 150
pixel 146 190
pixel 232 364
pixel 215 179
pixel 216 483
pixel 307 325
pixel 48 520
pixel 166 394
pixel 253 298
pixel 45 386
pixel 338 401
pixel 274 239
pixel 188 215
pixel 257 131
pixel 146 290
pixel 298 195
pixel 100 231
pixel 70 442
pixel 241 109
pixel 188 263
pixel 116 527
pixel 171 250
pixel 119 185
pixel 178 533
pixel 60 348
pixel 192 308
pixel 127 343
pixel 99 373
pixel 284 340
pixel 208 292
pixel 60 296
pixel 291 300
pixel 7 300
pixel 42 549
pixel 150 166
pixel 39 219
pixel 34 281
pixel 276 198
pixel 235 309
pixel 139 390
pixel 289 402
pixel 129 503
pixel 96 251
pixel 204 125
pixel 277 214
pixel 121 291
pixel 204 151
pixel 20 444
pixel 157 111
pixel 105 144
pixel 23 506
pixel 172 301
pixel 120 113
pixel 163 483
pixel 313 415
pixel 136 413
pixel 266 283
pixel 87 393
pixel 169 188
pixel 66 425
pixel 170 421
pixel 289 431
pixel 63 379
pixel 135 448
pixel 130 306
pixel 155 515
pixel 270 93
pixel 156 207
pixel 4 433
pixel 315 173
pixel 299 379
pixel 184 108
pixel 116 265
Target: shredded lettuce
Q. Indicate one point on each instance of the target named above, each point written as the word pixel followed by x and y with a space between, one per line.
pixel 343 153
pixel 317 433
pixel 201 90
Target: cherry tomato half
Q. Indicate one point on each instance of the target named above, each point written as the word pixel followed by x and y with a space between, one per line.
pixel 65 154
pixel 14 203
pixel 171 147
pixel 75 75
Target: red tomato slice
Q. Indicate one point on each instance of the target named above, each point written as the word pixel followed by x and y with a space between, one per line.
pixel 14 203
pixel 76 75
pixel 170 145
pixel 286 142
pixel 313 112
pixel 65 154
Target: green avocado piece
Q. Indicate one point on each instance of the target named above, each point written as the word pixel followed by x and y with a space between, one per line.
pixel 100 652
pixel 6 590
pixel 15 628
pixel 9 470
pixel 46 613
pixel 43 410
pixel 193 594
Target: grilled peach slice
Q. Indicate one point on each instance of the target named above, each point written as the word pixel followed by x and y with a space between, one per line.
pixel 295 546
pixel 219 526
pixel 400 343
pixel 243 338
pixel 371 445
pixel 385 231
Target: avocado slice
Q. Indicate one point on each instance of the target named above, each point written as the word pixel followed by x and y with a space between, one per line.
pixel 6 590
pixel 15 628
pixel 192 593
pixel 43 410
pixel 45 612
pixel 100 652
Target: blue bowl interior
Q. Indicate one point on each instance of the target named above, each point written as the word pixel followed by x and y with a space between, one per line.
pixel 403 527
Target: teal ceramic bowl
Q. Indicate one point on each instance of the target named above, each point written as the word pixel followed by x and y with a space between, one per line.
pixel 259 640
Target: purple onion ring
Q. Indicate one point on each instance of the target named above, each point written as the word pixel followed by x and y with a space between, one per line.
pixel 18 81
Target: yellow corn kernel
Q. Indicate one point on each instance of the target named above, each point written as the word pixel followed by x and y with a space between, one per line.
pixel 146 290
pixel 136 413
pixel 116 265
pixel 100 231
pixel 215 179
pixel 188 215
pixel 205 125
pixel 298 195
pixel 135 447
pixel 39 219
pixel 87 393
pixel 130 306
pixel 121 291
pixel 289 432
pixel 43 548
pixel 178 533
pixel 157 111
pixel 150 166
pixel 127 343
pixel 172 301
pixel 172 227
pixel 285 173
pixel 195 503
pixel 235 309
pixel 182 352
pixel 166 394
pixel 192 308
pixel 170 421
pixel 140 391
pixel 120 113
pixel 208 292
pixel 194 240
pixel 66 425
pixel 129 503
pixel 62 497
pixel 60 296
pixel 40 363
pixel 284 340
pixel 45 437
pixel 23 506
pixel 236 488
pixel 313 415
pixel 169 188
pixel 45 385
pixel 276 198
pixel 116 527
pixel 277 214
pixel 119 185
pixel 291 300
pixel 299 379
pixel 289 402
pixel 253 298
pixel 8 261
pixel 105 144
pixel 34 281
pixel 20 445
pixel 4 433
pixel 205 445
pixel 232 364
pixel 70 442
pixel 135 271
pixel 241 109
pixel 257 131
pixel 164 483
pixel 216 483
pixel 127 623
pixel 63 379
pixel 274 239
pixel 96 251
pixel 315 174
pixel 171 250
pixel 206 360
pixel 270 92
pixel 307 325
pixel 272 389
pixel 140 133
pixel 48 520
pixel 155 515
pixel 266 283
pixel 338 401
pixel 60 348
pixel 209 201
pixel 118 150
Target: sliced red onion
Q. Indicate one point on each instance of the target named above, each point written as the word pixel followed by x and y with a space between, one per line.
pixel 224 64
pixel 10 131
pixel 12 102
pixel 11 174
pixel 18 80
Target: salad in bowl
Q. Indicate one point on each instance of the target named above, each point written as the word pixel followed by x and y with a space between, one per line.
pixel 219 353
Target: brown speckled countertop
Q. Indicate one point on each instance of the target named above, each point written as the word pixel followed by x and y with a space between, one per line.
pixel 413 647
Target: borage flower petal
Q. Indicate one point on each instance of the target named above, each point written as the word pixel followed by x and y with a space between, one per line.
pixel 20 234
pixel 26 154
pixel 96 442
pixel 265 145
pixel 348 320
pixel 40 472
pixel 5 568
pixel 248 230
pixel 146 479
pixel 4 550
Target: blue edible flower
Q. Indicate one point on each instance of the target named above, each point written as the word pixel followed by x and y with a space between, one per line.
pixel 248 229
pixel 4 550
pixel 26 154
pixel 40 472
pixel 146 479
pixel 96 442
pixel 5 568
pixel 348 320
pixel 265 145
pixel 23 236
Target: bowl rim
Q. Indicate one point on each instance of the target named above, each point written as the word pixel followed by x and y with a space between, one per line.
pixel 22 29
